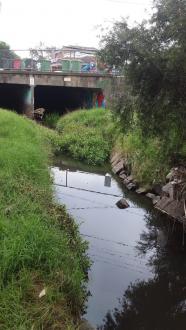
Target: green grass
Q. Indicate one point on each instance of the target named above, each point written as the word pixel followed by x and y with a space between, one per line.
pixel 86 135
pixel 51 119
pixel 145 156
pixel 151 158
pixel 90 136
pixel 40 246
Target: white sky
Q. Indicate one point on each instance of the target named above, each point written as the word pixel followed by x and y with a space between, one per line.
pixel 24 23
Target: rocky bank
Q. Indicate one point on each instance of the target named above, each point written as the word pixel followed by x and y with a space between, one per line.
pixel 168 197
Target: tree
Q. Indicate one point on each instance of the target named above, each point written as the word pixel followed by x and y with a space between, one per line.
pixel 42 52
pixel 6 55
pixel 151 56
pixel 6 52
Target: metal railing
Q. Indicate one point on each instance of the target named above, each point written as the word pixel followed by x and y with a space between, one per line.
pixel 45 66
pixel 52 60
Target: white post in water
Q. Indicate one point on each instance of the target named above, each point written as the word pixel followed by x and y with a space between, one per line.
pixel 67 177
pixel 107 180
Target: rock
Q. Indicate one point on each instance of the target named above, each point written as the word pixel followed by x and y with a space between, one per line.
pixel 157 189
pixel 122 204
pixel 151 196
pixel 131 186
pixel 115 158
pixel 142 191
pixel 130 178
pixel 173 208
pixel 122 175
pixel 39 113
pixel 118 167
pixel 126 181
pixel 156 200
pixel 168 190
pixel 124 172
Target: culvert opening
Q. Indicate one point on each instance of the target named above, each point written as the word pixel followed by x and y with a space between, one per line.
pixel 63 99
pixel 13 96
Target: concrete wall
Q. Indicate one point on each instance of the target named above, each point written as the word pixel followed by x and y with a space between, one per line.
pixel 81 80
pixel 52 90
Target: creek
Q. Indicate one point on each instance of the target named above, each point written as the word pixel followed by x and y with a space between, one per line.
pixel 138 275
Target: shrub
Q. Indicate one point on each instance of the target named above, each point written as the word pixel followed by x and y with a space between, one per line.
pixel 51 119
pixel 146 156
pixel 87 135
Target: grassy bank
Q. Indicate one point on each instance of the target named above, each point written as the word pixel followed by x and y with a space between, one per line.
pixel 144 157
pixel 40 247
pixel 86 135
pixel 149 158
pixel 91 135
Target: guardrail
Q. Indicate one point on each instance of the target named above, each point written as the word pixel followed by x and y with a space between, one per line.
pixel 66 65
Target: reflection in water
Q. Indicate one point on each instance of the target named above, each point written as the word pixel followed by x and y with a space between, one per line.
pixel 131 252
pixel 159 303
pixel 156 304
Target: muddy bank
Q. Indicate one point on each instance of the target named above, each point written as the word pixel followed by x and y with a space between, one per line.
pixel 168 197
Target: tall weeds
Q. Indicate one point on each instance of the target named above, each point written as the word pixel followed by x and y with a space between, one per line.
pixel 40 247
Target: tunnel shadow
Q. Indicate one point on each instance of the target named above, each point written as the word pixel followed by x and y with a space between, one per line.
pixel 12 96
pixel 54 99
pixel 63 99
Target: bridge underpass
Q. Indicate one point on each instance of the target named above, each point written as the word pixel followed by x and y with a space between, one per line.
pixel 24 91
pixel 13 96
pixel 62 99
pixel 19 98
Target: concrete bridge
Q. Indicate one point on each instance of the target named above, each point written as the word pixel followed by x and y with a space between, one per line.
pixel 24 91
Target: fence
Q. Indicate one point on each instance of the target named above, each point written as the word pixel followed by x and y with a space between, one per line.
pixel 51 61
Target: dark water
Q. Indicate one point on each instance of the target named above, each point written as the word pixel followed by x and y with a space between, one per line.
pixel 138 276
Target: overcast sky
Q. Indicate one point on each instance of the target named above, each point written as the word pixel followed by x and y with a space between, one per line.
pixel 24 23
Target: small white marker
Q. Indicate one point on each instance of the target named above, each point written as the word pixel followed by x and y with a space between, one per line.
pixel 107 180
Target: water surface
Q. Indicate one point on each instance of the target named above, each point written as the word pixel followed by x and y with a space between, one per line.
pixel 138 276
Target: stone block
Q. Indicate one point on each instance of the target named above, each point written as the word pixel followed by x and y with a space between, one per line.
pixel 122 204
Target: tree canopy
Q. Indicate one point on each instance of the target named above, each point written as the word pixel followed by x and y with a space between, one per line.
pixel 6 52
pixel 151 56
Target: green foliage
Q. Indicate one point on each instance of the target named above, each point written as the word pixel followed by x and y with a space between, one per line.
pixel 87 135
pixel 40 246
pixel 152 58
pixel 145 156
pixel 51 119
pixel 5 51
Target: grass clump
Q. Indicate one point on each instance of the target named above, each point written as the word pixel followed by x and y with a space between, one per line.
pixel 146 157
pixel 40 247
pixel 50 120
pixel 86 135
pixel 150 157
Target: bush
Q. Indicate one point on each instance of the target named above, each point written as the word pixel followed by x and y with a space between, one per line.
pixel 146 157
pixel 51 119
pixel 87 135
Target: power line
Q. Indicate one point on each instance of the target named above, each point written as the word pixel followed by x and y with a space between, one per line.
pixel 81 198
pixel 107 240
pixel 91 208
pixel 91 191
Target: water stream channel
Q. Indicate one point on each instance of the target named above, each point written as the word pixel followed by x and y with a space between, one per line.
pixel 138 276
